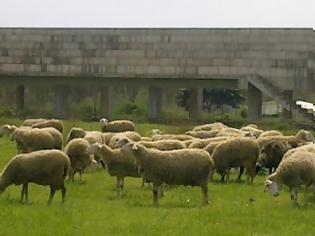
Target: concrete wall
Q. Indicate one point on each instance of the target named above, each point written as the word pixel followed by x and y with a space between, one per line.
pixel 284 57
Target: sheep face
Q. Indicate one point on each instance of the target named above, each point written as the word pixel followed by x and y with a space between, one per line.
pixel 155 131
pixel 308 136
pixel 94 148
pixel 121 142
pixel 6 129
pixel 272 188
pixel 104 122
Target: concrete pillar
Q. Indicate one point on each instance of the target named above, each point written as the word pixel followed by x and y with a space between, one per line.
pixel 61 102
pixel 288 96
pixel 20 91
pixel 195 103
pixel 254 101
pixel 155 102
pixel 106 102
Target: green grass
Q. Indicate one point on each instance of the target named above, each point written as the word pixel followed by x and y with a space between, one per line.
pixel 93 209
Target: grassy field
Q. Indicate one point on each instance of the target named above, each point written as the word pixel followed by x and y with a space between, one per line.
pixel 93 209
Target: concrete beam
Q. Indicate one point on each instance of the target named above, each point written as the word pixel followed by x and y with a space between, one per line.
pixel 254 101
pixel 155 102
pixel 20 106
pixel 106 102
pixel 61 102
pixel 195 103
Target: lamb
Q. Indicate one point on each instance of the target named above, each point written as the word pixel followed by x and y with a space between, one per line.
pixel 203 134
pixel 209 127
pixel 270 133
pixel 236 152
pixel 119 162
pixel 29 140
pixel 116 125
pixel 57 124
pixel 76 150
pixel 294 171
pixel 30 122
pixel 177 167
pixel 180 137
pixel 271 155
pixel 202 143
pixel 44 167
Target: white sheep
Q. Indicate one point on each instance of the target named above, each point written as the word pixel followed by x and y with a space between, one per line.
pixel 202 143
pixel 294 171
pixel 30 122
pixel 270 133
pixel 236 152
pixel 57 124
pixel 203 134
pixel 180 137
pixel 29 140
pixel 45 167
pixel 119 163
pixel 209 127
pixel 76 150
pixel 177 167
pixel 116 125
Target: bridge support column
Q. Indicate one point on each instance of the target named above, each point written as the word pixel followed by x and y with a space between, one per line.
pixel 254 101
pixel 20 92
pixel 155 102
pixel 287 114
pixel 195 103
pixel 106 102
pixel 61 102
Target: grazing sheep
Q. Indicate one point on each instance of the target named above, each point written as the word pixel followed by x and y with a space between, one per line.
pixel 76 150
pixel 209 127
pixel 75 132
pixel 292 140
pixel 211 146
pixel 119 162
pixel 30 122
pixel 294 171
pixel 308 148
pixel 271 155
pixel 254 131
pixel 236 152
pixel 163 145
pixel 9 129
pixel 29 140
pixel 45 167
pixel 134 136
pixel 232 132
pixel 177 167
pixel 270 133
pixel 57 124
pixel 251 126
pixel 203 134
pixel 116 125
pixel 180 137
pixel 305 135
pixel 202 143
pixel 154 132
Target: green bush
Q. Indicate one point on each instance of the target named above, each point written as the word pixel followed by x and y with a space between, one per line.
pixel 7 111
pixel 83 111
pixel 243 112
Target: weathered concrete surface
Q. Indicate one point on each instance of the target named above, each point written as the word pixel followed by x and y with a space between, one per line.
pixel 254 101
pixel 285 57
pixel 155 102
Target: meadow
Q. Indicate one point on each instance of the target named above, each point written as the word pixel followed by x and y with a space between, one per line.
pixel 92 207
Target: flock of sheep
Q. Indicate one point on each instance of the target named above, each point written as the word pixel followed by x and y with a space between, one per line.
pixel 172 159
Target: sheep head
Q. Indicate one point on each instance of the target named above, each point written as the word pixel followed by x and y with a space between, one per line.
pixel 104 122
pixel 94 149
pixel 271 187
pixel 7 130
pixel 121 142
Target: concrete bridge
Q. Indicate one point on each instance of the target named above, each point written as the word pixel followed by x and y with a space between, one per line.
pixel 275 62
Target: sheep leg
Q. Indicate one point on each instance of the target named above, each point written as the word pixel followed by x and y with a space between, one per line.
pixel 24 192
pixel 52 193
pixel 63 193
pixel 293 195
pixel 204 189
pixel 228 174
pixel 240 174
pixel 161 191
pixel 119 185
pixel 155 194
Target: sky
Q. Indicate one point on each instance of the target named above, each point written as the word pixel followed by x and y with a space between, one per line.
pixel 158 13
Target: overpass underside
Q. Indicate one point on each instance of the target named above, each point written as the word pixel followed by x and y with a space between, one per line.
pixel 279 63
